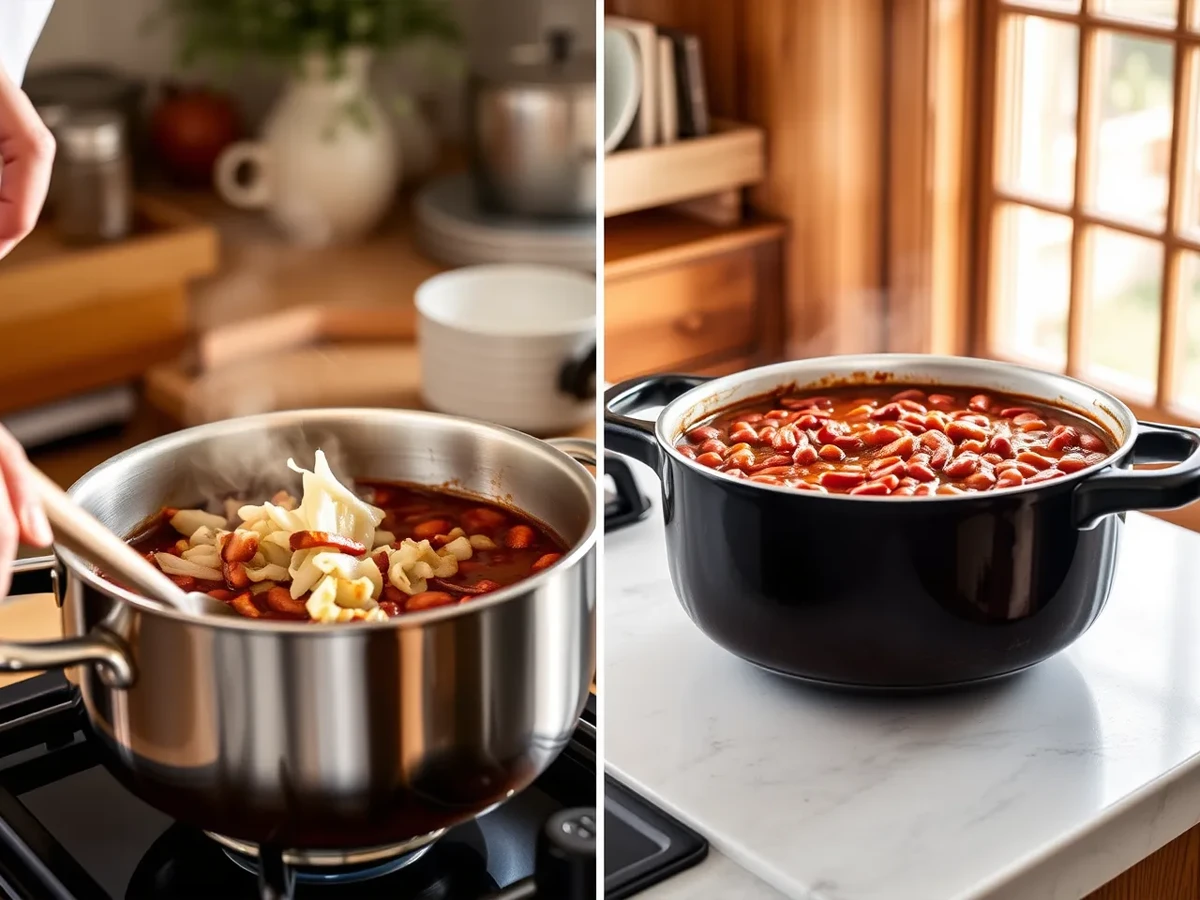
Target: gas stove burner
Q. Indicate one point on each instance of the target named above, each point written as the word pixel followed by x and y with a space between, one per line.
pixel 245 854
pixel 330 874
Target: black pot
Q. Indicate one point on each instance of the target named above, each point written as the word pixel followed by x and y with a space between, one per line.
pixel 891 592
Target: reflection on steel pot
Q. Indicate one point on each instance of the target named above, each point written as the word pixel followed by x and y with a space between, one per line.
pixel 335 737
pixel 896 592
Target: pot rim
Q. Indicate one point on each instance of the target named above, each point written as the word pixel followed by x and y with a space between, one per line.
pixel 676 412
pixel 80 568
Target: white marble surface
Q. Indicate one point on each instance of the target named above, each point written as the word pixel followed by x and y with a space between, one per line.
pixel 1040 788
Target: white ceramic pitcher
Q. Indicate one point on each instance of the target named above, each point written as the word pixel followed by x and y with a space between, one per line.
pixel 327 165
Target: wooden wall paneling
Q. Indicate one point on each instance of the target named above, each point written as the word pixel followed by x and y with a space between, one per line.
pixel 931 148
pixel 814 79
pixel 1170 873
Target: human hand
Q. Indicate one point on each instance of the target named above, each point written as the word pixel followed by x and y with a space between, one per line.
pixel 26 155
pixel 21 516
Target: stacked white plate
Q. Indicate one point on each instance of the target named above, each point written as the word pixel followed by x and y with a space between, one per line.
pixel 452 228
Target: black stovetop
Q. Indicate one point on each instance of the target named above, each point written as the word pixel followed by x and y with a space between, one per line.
pixel 70 831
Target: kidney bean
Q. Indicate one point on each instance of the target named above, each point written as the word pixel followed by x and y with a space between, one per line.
pixel 244 604
pixel 221 594
pixel 1072 463
pixel 1032 425
pixel 950 489
pixel 959 430
pixel 785 439
pixel 905 490
pixel 1034 459
pixel 772 462
pixel 831 430
pixel 1092 443
pixel 712 460
pixel 921 472
pixel 848 442
pixel 910 394
pixel 1010 478
pixel 1011 412
pixel 736 448
pixel 831 453
pixel 1001 445
pixel 703 433
pixel 428 600
pixel 1092 458
pixel 961 466
pixel 1027 470
pixel 896 468
pixel 973 418
pixel 935 422
pixel 805 455
pixel 993 458
pixel 184 582
pixel 863 409
pixel 924 490
pixel 842 480
pixel 941 401
pixel 885 434
pixel 735 473
pixel 808 421
pixel 239 547
pixel 940 457
pixel 235 575
pixel 873 489
pixel 752 418
pixel 804 403
pixel 745 435
pixel 480 518
pixel 767 433
pixel 903 447
pixel 520 537
pixel 1064 436
pixel 740 459
pixel 280 600
pixel 1044 475
pixel 973 446
pixel 687 451
pixel 980 403
pixel 545 561
pixel 980 481
pixel 911 406
pixel 882 462
pixel 425 530
pixel 778 414
pixel 809 486
pixel 711 446
pixel 888 412
pixel 771 474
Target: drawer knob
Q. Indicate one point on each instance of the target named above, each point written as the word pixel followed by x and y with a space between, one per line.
pixel 692 323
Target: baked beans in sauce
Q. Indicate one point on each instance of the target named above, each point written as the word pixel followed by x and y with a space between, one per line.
pixel 522 548
pixel 896 441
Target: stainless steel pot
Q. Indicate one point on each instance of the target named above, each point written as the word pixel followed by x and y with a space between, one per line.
pixel 532 133
pixel 374 736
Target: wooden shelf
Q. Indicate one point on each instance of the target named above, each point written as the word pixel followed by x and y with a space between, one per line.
pixel 648 240
pixel 732 157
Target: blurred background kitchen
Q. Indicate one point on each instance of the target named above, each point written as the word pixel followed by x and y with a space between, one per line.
pixel 247 196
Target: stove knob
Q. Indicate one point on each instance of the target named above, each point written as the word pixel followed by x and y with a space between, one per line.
pixel 566 857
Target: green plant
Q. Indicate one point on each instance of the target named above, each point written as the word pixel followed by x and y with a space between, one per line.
pixel 283 31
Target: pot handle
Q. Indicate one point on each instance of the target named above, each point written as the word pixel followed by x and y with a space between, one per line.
pixel 635 437
pixel 99 647
pixel 579 449
pixel 1118 490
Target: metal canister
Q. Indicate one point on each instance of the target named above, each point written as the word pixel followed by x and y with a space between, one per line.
pixel 93 192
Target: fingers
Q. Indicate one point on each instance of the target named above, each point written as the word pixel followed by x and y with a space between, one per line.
pixel 26 157
pixel 31 525
pixel 8 540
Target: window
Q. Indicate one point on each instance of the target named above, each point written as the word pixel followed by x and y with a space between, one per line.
pixel 1090 202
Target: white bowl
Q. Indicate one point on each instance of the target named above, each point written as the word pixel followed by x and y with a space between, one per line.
pixel 495 341
pixel 622 85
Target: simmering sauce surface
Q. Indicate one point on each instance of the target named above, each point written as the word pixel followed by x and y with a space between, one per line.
pixel 896 440
pixel 520 548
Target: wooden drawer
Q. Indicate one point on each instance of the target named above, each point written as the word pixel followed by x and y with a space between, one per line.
pixel 665 317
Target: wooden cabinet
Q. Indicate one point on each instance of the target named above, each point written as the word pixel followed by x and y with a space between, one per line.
pixel 683 295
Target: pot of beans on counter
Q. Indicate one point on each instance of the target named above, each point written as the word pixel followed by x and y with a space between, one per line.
pixel 896 522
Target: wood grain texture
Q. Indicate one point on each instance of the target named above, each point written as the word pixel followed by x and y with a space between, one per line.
pixel 1171 873
pixel 814 81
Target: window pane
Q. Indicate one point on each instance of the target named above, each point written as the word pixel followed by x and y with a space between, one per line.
pixel 1032 266
pixel 1189 340
pixel 1061 5
pixel 1189 187
pixel 1153 12
pixel 1135 78
pixel 1125 288
pixel 1037 149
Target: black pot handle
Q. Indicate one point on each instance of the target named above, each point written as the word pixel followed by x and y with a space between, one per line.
pixel 635 437
pixel 1118 490
pixel 577 377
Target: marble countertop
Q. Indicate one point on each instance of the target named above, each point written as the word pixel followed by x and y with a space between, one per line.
pixel 1044 786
